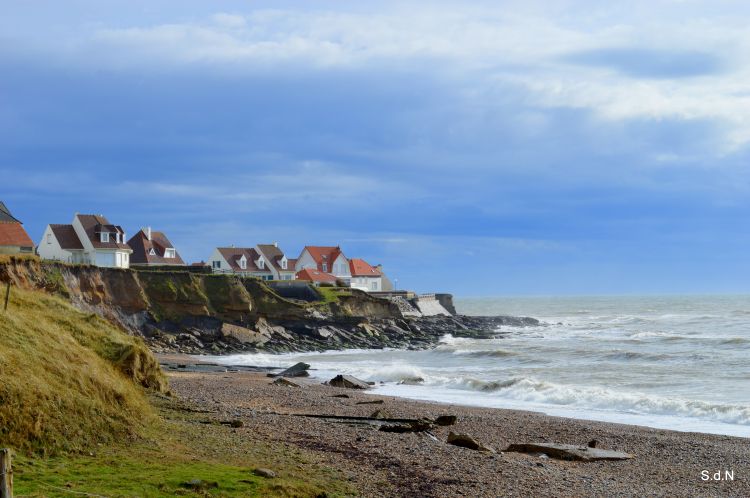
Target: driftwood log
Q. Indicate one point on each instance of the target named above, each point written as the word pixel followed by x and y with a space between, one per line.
pixel 6 474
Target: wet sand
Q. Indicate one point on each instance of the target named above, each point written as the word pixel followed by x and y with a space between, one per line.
pixel 666 463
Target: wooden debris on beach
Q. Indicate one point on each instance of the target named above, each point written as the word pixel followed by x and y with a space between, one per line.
pixel 421 425
pixel 268 474
pixel 569 452
pixel 466 441
pixel 281 381
pixel 373 402
pixel 348 382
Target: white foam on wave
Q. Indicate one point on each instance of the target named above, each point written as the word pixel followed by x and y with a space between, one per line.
pixel 530 389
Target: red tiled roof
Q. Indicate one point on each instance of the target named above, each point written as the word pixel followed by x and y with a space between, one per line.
pixel 13 234
pixel 323 254
pixel 66 236
pixel 360 268
pixel 159 242
pixel 95 224
pixel 315 276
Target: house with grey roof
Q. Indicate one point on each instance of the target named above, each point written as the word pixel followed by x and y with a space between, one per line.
pixel 90 239
pixel 152 248
pixel 264 261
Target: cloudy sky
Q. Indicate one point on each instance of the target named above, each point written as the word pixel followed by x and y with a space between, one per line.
pixel 507 147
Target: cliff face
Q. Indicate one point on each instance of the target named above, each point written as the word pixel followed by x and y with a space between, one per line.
pixel 197 313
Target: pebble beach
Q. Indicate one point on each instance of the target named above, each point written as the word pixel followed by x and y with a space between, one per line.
pixel 377 463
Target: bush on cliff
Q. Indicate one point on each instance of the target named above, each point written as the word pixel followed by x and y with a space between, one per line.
pixel 69 380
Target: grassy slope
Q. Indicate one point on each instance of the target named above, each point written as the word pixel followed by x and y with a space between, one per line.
pixel 67 377
pixel 73 405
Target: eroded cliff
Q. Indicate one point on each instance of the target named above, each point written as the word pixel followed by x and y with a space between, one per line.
pixel 190 312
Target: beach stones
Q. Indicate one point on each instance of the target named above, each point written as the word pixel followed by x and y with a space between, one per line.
pixel 348 382
pixel 569 452
pixel 466 441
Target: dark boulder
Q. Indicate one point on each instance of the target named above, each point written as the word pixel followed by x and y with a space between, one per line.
pixel 348 382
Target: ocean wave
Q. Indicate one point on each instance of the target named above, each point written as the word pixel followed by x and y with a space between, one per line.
pixel 393 373
pixel 636 355
pixel 532 390
pixel 735 341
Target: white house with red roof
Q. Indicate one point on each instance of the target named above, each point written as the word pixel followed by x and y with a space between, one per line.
pixel 326 259
pixel 265 261
pixel 364 276
pixel 90 239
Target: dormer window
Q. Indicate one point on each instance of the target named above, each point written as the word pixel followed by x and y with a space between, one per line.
pixel 243 262
pixel 283 263
pixel 152 252
pixel 104 236
pixel 261 264
pixel 325 267
pixel 170 253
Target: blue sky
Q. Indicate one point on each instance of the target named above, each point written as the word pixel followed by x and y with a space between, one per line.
pixel 557 147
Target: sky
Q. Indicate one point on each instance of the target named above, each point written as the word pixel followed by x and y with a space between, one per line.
pixel 498 148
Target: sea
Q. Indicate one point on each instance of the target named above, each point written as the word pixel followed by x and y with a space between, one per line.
pixel 671 362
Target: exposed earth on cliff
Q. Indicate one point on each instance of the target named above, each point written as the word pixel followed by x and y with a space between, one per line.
pixel 178 311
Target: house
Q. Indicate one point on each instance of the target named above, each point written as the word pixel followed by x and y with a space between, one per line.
pixel 244 261
pixel 281 266
pixel 265 261
pixel 153 249
pixel 13 237
pixel 316 277
pixel 325 259
pixel 90 239
pixel 365 277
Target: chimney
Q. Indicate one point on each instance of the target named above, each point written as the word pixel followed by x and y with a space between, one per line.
pixel 276 244
pixel 148 233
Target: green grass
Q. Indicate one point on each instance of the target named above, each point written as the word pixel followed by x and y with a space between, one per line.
pixel 178 448
pixel 82 404
pixel 332 294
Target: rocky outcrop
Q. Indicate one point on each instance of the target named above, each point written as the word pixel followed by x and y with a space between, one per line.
pixel 201 313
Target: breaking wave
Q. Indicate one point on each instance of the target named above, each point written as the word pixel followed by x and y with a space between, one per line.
pixel 533 390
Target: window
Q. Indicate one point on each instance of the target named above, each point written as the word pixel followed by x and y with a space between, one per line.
pixel 49 238
pixel 261 263
pixel 118 259
pixel 170 253
pixel 375 285
pixel 151 252
pixel 283 263
pixel 243 263
pixel 216 265
pixel 325 267
pixel 104 237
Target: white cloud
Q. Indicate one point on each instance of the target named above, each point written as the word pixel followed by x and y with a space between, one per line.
pixel 523 44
